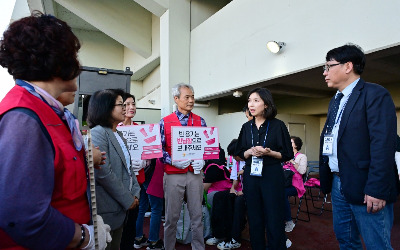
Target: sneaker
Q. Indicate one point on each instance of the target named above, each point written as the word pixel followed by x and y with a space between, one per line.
pixel 289 225
pixel 158 245
pixel 147 214
pixel 142 242
pixel 229 245
pixel 223 245
pixel 234 244
pixel 288 243
pixel 213 241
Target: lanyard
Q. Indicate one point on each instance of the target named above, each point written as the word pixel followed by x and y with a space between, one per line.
pixel 266 133
pixel 341 111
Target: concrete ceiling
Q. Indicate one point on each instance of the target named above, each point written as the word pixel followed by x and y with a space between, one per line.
pixel 73 20
pixel 382 67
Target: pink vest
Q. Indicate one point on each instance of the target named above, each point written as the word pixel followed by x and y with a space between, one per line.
pixel 155 187
pixel 219 185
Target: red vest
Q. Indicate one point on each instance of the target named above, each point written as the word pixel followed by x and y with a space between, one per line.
pixel 172 120
pixel 69 193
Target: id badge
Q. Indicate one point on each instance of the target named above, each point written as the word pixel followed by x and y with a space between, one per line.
pixel 327 148
pixel 256 166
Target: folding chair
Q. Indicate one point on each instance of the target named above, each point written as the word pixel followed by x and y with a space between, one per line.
pixel 304 197
pixel 313 172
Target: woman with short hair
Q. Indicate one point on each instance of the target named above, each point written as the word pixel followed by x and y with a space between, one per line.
pixel 117 189
pixel 43 179
pixel 299 166
pixel 264 143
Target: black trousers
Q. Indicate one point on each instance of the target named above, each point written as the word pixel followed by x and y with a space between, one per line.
pixel 228 215
pixel 265 197
pixel 129 233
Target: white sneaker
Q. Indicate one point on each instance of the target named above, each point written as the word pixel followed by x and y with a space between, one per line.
pixel 288 243
pixel 229 245
pixel 234 244
pixel 289 225
pixel 223 245
pixel 213 241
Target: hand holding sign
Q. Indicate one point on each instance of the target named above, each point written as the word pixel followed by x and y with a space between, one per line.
pixel 181 164
pixel 197 166
pixel 144 141
pixel 194 143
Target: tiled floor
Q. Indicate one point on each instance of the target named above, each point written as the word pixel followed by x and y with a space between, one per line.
pixel 316 234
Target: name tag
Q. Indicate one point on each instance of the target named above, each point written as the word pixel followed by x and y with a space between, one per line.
pixel 256 166
pixel 327 148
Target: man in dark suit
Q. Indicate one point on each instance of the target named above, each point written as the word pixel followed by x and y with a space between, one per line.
pixel 356 154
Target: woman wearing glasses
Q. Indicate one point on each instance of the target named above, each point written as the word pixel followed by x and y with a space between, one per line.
pixel 117 189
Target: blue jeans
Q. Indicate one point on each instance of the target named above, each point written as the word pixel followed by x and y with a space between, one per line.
pixel 289 191
pixel 156 205
pixel 349 221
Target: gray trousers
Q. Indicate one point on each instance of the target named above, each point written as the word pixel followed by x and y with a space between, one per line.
pixel 116 236
pixel 174 190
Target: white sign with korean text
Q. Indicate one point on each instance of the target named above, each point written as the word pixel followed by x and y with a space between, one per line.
pixel 194 143
pixel 144 141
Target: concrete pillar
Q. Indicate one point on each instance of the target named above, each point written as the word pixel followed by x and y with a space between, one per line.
pixel 174 50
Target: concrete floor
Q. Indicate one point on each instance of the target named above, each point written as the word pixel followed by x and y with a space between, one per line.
pixel 316 234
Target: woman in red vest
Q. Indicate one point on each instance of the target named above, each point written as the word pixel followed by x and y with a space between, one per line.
pixel 43 178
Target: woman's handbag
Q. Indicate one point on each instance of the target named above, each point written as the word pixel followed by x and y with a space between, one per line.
pixel 288 176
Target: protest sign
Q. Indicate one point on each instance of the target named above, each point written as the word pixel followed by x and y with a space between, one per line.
pixel 194 143
pixel 144 141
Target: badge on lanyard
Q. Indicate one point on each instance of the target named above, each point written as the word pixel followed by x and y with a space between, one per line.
pixel 256 166
pixel 257 162
pixel 327 148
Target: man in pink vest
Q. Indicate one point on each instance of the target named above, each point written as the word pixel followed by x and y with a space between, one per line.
pixel 182 176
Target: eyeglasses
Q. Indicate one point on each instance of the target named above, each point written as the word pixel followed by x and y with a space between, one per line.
pixel 121 105
pixel 327 67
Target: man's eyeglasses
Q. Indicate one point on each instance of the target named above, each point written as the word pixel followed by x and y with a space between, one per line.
pixel 326 67
pixel 121 105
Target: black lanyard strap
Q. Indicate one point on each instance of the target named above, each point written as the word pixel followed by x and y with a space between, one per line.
pixel 252 137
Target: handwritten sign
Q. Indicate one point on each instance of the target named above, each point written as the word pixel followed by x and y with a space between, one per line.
pixel 144 141
pixel 194 143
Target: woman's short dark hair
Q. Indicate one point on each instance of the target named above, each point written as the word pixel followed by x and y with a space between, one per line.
pixel 348 53
pixel 128 95
pixel 232 147
pixel 297 141
pixel 271 111
pixel 101 105
pixel 39 48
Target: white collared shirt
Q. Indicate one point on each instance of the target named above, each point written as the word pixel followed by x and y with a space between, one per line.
pixel 333 160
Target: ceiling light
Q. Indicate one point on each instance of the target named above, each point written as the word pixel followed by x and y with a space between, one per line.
pixel 237 93
pixel 275 47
